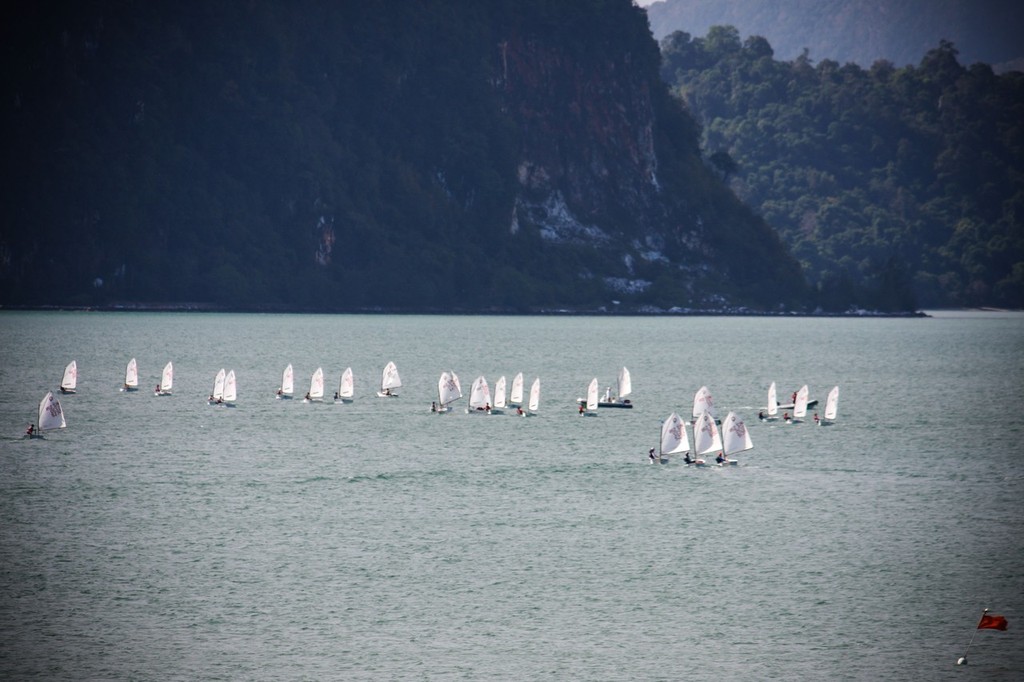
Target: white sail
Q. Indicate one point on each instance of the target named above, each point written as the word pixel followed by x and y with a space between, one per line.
pixel 625 383
pixel 389 378
pixel 773 401
pixel 230 387
pixel 735 437
pixel 316 385
pixel 832 403
pixel 50 414
pixel 69 381
pixel 287 381
pixel 499 393
pixel 673 435
pixel 218 386
pixel 448 389
pixel 480 394
pixel 167 379
pixel 800 406
pixel 592 390
pixel 131 374
pixel 702 402
pixel 705 435
pixel 347 386
pixel 515 396
pixel 535 395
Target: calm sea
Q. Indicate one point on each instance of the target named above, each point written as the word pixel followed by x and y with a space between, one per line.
pixel 162 538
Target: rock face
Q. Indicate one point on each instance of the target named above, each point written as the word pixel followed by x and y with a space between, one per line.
pixel 260 153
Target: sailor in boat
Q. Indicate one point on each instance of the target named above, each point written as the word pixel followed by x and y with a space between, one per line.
pixel 686 458
pixel 760 415
pixel 336 396
pixel 307 396
pixel 816 420
pixel 608 394
pixel 487 408
pixel 785 416
pixel 433 406
pixel 650 455
pixel 387 391
pixel 31 430
pixel 582 410
pixel 279 392
pixel 721 459
pixel 519 411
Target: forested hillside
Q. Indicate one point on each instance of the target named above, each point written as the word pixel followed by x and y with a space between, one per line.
pixel 860 31
pixel 906 181
pixel 398 155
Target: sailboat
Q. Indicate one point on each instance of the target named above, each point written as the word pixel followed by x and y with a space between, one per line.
pixel 831 406
pixel 735 437
pixel 623 388
pixel 499 396
pixel 673 438
pixel 479 397
pixel 166 380
pixel 346 387
pixel 389 381
pixel 448 391
pixel 772 412
pixel 515 395
pixel 287 384
pixel 70 379
pixel 131 376
pixel 800 406
pixel 702 402
pixel 230 389
pixel 217 395
pixel 50 417
pixel 534 404
pixel 316 387
pixel 589 408
pixel 706 438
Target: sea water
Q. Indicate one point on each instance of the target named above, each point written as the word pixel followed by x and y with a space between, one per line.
pixel 163 538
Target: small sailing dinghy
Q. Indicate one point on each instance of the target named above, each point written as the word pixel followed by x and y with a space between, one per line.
pixel 673 438
pixel 479 397
pixel 389 381
pixel 800 406
pixel 131 376
pixel 831 406
pixel 316 387
pixel 50 417
pixel 702 402
pixel 287 384
pixel 166 381
pixel 69 381
pixel 589 407
pixel 515 394
pixel 448 391
pixel 771 413
pixel 217 395
pixel 499 396
pixel 624 388
pixel 230 389
pixel 534 404
pixel 346 387
pixel 706 438
pixel 735 438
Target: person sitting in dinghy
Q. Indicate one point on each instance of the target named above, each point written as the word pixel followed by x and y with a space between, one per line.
pixel 760 415
pixel 686 458
pixel 31 430
pixel 721 459
pixel 816 420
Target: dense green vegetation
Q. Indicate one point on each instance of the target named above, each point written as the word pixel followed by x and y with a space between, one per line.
pixel 353 155
pixel 860 31
pixel 888 184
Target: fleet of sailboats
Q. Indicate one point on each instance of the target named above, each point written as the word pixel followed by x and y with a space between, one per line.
pixel 731 439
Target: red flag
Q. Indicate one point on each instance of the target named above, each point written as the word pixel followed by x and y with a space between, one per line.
pixel 988 622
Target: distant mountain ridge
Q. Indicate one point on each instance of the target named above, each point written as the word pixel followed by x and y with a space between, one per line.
pixel 860 31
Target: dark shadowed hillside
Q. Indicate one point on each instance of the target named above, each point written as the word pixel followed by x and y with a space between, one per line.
pixel 511 155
